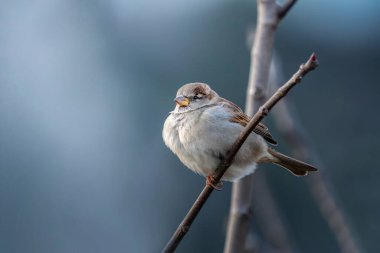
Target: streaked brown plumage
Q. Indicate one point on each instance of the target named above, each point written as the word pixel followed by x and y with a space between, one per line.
pixel 203 127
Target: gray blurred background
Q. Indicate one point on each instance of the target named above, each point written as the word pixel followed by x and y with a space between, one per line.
pixel 86 85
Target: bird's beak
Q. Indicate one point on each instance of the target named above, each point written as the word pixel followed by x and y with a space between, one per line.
pixel 182 101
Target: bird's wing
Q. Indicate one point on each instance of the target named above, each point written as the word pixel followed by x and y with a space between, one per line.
pixel 241 118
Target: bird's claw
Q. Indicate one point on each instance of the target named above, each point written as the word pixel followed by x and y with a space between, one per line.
pixel 210 181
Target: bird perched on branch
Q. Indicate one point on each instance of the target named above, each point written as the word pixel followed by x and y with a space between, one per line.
pixel 203 127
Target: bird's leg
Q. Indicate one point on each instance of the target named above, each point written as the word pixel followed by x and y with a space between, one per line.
pixel 210 181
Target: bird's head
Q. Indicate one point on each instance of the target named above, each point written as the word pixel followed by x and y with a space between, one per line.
pixel 193 96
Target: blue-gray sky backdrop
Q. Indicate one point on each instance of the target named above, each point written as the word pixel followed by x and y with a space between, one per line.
pixel 86 85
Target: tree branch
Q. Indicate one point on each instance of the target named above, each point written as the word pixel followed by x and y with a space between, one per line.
pixel 270 220
pixel 283 10
pixel 184 227
pixel 268 18
pixel 320 186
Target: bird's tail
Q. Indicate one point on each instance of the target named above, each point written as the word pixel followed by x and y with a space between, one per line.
pixel 298 168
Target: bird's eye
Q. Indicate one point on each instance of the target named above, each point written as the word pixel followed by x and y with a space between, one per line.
pixel 197 97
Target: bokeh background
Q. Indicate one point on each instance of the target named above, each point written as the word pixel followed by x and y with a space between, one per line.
pixel 85 87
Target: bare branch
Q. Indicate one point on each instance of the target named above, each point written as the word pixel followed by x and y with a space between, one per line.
pixel 319 184
pixel 283 10
pixel 268 18
pixel 184 227
pixel 334 215
pixel 268 217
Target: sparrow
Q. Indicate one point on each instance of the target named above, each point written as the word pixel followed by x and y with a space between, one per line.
pixel 203 127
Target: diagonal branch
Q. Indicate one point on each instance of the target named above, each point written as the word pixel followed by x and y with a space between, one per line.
pixel 319 184
pixel 184 227
pixel 283 10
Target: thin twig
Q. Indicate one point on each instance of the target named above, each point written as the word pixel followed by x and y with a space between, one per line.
pixel 184 227
pixel 319 184
pixel 283 10
pixel 321 191
pixel 268 18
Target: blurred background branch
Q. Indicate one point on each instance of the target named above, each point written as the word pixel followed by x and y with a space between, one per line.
pixel 295 135
pixel 269 15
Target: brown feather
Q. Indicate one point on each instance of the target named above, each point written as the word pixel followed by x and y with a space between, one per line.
pixel 199 90
pixel 295 166
pixel 243 119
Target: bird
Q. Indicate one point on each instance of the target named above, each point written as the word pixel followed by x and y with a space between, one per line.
pixel 202 128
